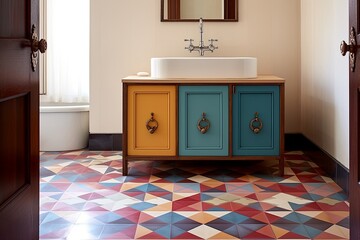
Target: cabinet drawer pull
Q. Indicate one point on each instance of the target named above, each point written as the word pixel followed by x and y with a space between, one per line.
pixel 152 124
pixel 203 124
pixel 256 124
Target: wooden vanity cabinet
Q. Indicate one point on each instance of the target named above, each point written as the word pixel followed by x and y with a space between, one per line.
pixel 203 119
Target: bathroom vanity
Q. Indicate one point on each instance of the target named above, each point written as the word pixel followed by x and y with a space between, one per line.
pixel 203 119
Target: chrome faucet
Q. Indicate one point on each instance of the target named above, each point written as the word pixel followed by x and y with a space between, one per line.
pixel 201 48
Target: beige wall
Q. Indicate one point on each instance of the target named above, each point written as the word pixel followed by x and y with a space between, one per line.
pixel 125 34
pixel 324 76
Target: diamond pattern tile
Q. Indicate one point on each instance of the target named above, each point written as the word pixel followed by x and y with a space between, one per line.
pixel 84 196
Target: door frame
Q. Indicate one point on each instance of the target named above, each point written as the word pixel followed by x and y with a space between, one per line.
pixel 354 118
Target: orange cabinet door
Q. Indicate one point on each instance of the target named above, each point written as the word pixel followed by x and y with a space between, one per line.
pixel 152 120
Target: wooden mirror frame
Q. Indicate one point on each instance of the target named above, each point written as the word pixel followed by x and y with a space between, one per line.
pixel 174 12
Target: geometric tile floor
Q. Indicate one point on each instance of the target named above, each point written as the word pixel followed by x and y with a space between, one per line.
pixel 84 196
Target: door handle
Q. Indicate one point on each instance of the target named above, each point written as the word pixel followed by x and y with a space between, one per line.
pixel 203 124
pixel 351 48
pixel 36 46
pixel 256 124
pixel 152 124
pixel 344 48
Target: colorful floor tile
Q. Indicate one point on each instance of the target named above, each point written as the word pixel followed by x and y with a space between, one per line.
pixel 84 196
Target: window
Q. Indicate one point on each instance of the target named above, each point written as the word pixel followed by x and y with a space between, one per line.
pixel 65 68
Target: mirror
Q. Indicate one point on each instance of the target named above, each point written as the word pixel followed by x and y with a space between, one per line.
pixel 192 10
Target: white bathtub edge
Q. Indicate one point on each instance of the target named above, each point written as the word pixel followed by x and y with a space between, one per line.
pixel 64 108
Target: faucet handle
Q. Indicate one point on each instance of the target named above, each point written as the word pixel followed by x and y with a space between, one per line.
pixel 191 46
pixel 211 46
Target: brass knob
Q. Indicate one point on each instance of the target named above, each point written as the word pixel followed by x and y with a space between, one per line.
pixel 36 46
pixel 352 48
pixel 344 48
pixel 256 124
pixel 152 124
pixel 39 46
pixel 203 124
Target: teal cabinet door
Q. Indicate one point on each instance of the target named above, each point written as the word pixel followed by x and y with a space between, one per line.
pixel 203 120
pixel 256 121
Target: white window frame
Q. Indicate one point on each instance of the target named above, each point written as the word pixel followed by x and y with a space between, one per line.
pixel 43 58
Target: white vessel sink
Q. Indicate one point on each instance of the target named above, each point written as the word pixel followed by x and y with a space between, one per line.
pixel 204 67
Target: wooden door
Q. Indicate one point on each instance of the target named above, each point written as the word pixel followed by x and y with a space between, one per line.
pixel 203 120
pixel 151 120
pixel 256 121
pixel 19 122
pixel 354 92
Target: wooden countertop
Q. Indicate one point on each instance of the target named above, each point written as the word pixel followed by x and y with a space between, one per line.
pixel 264 79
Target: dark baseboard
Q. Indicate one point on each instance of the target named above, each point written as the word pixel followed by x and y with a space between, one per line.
pixel 332 167
pixel 297 142
pixel 293 142
pixel 105 142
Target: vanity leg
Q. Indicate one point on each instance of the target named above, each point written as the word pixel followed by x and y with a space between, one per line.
pixel 125 166
pixel 281 165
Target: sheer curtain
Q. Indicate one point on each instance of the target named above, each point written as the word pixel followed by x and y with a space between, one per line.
pixel 68 33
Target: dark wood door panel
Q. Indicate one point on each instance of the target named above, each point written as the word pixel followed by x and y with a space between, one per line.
pixel 19 122
pixel 10 26
pixel 15 67
pixel 14 171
